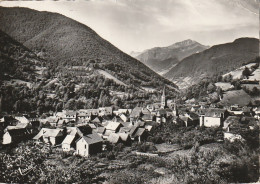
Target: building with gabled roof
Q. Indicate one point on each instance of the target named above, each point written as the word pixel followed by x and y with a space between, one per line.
pixel 113 126
pixel 136 113
pixel 213 117
pixel 104 111
pixel 52 136
pixel 15 135
pixel 89 144
pixel 73 134
pixel 114 138
pixel 140 134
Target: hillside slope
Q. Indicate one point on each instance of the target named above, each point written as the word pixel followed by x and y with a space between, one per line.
pixel 162 58
pixel 16 61
pixel 69 43
pixel 216 60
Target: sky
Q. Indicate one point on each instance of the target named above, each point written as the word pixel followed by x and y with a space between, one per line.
pixel 137 25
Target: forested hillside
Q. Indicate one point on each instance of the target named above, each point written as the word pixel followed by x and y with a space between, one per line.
pixel 70 43
pixel 17 61
pixel 68 66
pixel 218 59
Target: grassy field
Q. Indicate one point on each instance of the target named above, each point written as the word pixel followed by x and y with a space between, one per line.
pixel 239 97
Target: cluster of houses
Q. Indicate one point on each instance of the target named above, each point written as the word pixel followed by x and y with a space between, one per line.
pixel 84 131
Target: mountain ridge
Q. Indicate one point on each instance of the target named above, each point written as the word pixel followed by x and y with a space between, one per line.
pixel 68 42
pixel 215 60
pixel 161 58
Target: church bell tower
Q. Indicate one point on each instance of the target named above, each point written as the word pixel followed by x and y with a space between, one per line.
pixel 163 99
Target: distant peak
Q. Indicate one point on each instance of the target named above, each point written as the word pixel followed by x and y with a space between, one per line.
pixel 183 43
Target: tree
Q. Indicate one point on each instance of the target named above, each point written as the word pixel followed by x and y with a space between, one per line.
pixel 246 72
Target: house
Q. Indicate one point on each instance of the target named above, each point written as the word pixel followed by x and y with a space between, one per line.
pixel 97 120
pixel 89 144
pixel 82 115
pixel 60 123
pixel 93 112
pixel 100 131
pixel 73 134
pixel 140 134
pixel 186 120
pixel 149 125
pixel 81 122
pixel 113 127
pixel 67 143
pixel 7 120
pixel 148 117
pixel 123 117
pixel 52 120
pixel 213 117
pixel 15 135
pixel 52 136
pixel 125 138
pixel 114 138
pixel 257 112
pixel 60 115
pixel 136 113
pixel 117 119
pixel 70 115
pixel 22 119
pixel 161 116
pixel 193 119
pixel 105 111
pixel 125 111
pixel 235 109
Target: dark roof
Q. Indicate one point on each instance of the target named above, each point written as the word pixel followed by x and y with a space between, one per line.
pixel 152 123
pixel 145 111
pixel 70 113
pixel 117 119
pixel 136 112
pixel 214 112
pixel 126 124
pixel 84 130
pixel 97 120
pixel 147 117
pixel 193 115
pixel 100 130
pixel 133 130
pixel 107 117
pixel 139 132
pixel 92 138
pixel 17 132
pixel 113 138
pixel 125 129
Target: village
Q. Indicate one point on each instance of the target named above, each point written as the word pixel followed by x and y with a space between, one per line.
pixel 84 132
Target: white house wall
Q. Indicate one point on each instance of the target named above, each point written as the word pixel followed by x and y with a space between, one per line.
pixel 7 139
pixel 82 148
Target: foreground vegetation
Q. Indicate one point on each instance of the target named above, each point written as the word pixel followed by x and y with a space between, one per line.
pixel 201 159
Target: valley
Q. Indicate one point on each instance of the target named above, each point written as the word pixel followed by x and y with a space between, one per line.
pixel 74 108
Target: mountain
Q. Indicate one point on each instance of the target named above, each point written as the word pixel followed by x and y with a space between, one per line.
pixel 17 61
pixel 216 60
pixel 66 42
pixel 160 59
pixel 134 54
pixel 56 63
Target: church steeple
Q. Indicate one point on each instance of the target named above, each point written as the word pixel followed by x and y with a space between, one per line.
pixel 163 99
